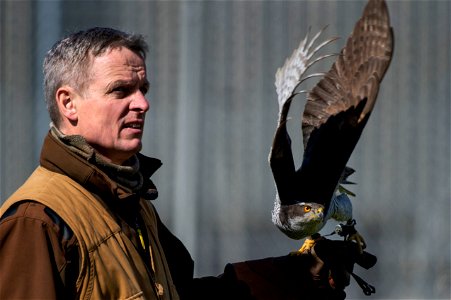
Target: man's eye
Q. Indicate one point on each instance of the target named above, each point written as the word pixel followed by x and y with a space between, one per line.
pixel 121 91
pixel 144 90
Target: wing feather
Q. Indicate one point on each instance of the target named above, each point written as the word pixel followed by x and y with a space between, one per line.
pixel 336 110
pixel 339 106
pixel 288 79
pixel 357 71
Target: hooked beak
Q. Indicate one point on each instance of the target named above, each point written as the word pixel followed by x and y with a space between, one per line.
pixel 319 212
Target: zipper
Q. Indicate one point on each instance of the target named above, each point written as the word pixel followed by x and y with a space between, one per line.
pixel 159 289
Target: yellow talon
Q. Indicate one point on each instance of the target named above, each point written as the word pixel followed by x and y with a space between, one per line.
pixel 308 244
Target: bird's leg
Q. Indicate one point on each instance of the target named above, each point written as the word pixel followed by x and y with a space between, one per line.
pixel 308 244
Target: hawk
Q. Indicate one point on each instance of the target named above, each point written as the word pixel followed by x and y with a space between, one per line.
pixel 336 111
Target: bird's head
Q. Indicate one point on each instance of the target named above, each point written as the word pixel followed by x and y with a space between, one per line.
pixel 312 212
pixel 299 220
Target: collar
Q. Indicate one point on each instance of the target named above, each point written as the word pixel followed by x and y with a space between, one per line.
pixel 57 157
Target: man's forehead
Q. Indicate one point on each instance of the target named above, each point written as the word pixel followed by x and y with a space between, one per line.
pixel 118 60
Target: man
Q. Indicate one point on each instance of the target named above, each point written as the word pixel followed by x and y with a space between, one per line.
pixel 82 227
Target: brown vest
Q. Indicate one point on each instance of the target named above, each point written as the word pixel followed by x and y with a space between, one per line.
pixel 111 267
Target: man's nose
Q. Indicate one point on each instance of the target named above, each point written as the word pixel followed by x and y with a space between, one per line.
pixel 139 102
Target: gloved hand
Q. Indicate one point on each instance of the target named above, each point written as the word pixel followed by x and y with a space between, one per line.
pixel 322 273
pixel 335 263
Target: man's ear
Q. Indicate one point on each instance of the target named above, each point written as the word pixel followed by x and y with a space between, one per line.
pixel 65 98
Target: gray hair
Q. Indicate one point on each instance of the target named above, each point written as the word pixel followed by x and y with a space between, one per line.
pixel 68 61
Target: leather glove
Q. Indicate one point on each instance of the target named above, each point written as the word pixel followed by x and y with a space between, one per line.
pixel 322 273
pixel 337 258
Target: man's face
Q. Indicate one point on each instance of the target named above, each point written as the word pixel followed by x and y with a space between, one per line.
pixel 112 108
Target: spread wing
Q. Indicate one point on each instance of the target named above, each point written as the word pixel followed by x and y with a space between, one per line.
pixel 335 114
pixel 288 79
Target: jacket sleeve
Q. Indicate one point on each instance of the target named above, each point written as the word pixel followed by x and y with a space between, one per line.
pixel 223 287
pixel 32 254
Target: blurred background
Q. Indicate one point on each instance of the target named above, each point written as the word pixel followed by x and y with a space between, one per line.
pixel 214 111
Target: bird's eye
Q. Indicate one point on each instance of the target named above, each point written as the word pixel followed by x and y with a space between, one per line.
pixel 307 208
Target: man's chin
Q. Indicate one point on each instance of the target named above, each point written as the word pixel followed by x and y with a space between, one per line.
pixel 133 149
pixel 119 156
